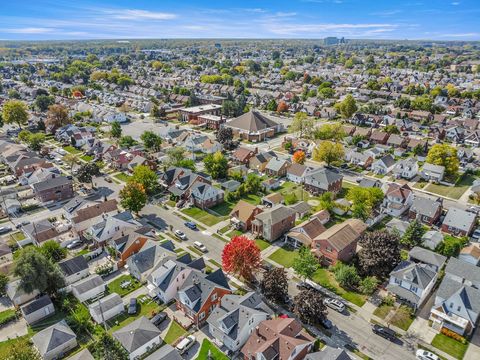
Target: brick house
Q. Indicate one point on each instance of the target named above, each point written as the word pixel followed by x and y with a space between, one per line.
pixel 243 214
pixel 425 210
pixel 27 165
pixel 338 243
pixel 322 180
pixel 273 223
pixel 206 196
pixel 192 114
pixel 458 222
pixel 379 137
pixel 55 189
pixel 243 155
pixel 211 121
pixel 129 241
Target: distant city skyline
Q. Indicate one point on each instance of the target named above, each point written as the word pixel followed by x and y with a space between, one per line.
pixel 353 19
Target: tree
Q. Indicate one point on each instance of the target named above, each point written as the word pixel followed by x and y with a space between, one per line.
pixel 225 137
pixel 364 200
pixel 107 348
pixel 151 140
pixel 444 155
pixel 22 350
pixel 216 165
pixel 36 272
pixel 309 307
pixel 368 285
pixel 413 234
pixel 53 251
pixel 272 105
pixel 299 157
pixel 327 201
pixel 332 132
pixel 328 152
pixel 15 111
pixel 42 102
pixel 346 275
pixel 133 197
pixel 157 112
pixel 4 280
pixel 380 253
pixel 71 160
pixel 145 176
pixel 116 130
pixel 35 141
pixel 403 103
pixel 87 171
pixel 79 320
pixel 127 141
pixel 57 116
pixel 302 124
pixel 305 263
pixel 241 256
pixel 229 108
pixel 347 107
pixel 391 129
pixel 274 285
pixel 282 107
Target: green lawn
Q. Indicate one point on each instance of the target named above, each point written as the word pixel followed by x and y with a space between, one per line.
pixel 216 263
pixel 225 229
pixel 224 208
pixel 234 233
pixel 202 216
pixel 262 244
pixel 219 237
pixel 18 236
pixel 122 177
pixel 195 250
pixel 382 311
pixel 215 353
pixel 327 280
pixel 6 346
pixel 71 149
pixel 284 256
pixel 7 315
pixel 454 192
pixel 114 286
pixel 148 309
pixel 450 346
pixel 402 322
pixel 252 199
pixel 86 158
pixel 39 326
pixel 175 331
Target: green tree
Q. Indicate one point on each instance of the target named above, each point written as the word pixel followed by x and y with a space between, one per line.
pixel 216 165
pixel 53 251
pixel 413 234
pixel 333 132
pixel 133 197
pixel 3 284
pixel 107 348
pixel 145 176
pixel 346 275
pixel 36 140
pixel 444 155
pixel 327 201
pixel 305 263
pixel 151 140
pixel 302 124
pixel 42 102
pixel 272 105
pixel 368 285
pixel 36 272
pixel 15 111
pixel 328 152
pixel 347 107
pixel 116 130
pixel 380 253
pixel 87 171
pixel 57 116
pixel 22 350
pixel 71 160
pixel 364 200
pixel 127 141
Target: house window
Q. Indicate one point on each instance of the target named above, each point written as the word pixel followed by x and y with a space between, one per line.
pixel 214 297
pixel 414 289
pixel 398 281
pixel 329 249
pixel 202 315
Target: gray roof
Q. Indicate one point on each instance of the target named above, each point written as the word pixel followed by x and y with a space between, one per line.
pixel 427 256
pixel 51 183
pixel 425 206
pixel 73 265
pixel 466 299
pixel 417 274
pixel 36 304
pixel 149 256
pixel 107 302
pixel 275 164
pixel 136 334
pixel 459 219
pixel 329 353
pixel 463 269
pixel 53 337
pixel 82 355
pixel 166 352
pixel 323 176
pixel 388 160
pixel 275 214
pixel 89 283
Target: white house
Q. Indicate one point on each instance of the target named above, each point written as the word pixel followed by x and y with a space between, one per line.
pixel 38 309
pixel 432 172
pixel 55 341
pixel 398 199
pixel 106 308
pixel 88 288
pixel 17 295
pixel 74 269
pixel 406 169
pixel 296 173
pixel 383 165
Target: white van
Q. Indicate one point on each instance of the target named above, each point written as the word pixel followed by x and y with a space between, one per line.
pixel 200 246
pixel 186 344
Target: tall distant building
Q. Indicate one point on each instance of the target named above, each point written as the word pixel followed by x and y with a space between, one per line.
pixel 333 40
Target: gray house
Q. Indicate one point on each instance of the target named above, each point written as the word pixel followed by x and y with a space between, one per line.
pixel 74 269
pixel 434 173
pixel 38 309
pixel 141 264
pixel 106 308
pixel 82 355
pixel 88 288
pixel 166 352
pixel 55 341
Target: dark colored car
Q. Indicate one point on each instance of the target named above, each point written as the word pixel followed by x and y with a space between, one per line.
pixel 304 286
pixel 384 332
pixel 5 229
pixel 191 225
pixel 132 306
pixel 159 318
pixel 265 265
pixel 327 324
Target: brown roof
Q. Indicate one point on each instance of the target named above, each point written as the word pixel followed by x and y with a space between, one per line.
pixel 275 198
pixel 400 191
pixel 307 231
pixel 242 153
pixel 296 169
pixel 472 250
pixel 252 121
pixel 322 215
pixel 379 135
pixel 243 211
pixel 95 210
pixel 341 235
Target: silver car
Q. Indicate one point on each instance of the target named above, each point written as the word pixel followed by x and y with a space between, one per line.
pixel 334 304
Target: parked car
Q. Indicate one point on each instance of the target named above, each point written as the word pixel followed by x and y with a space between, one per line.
pixel 74 244
pixel 159 318
pixel 304 286
pixel 191 225
pixel 185 344
pixel 200 246
pixel 23 223
pixel 476 235
pixel 108 179
pixel 179 234
pixel 132 306
pixel 334 304
pixel 327 324
pixel 384 332
pixel 5 229
pixel 426 355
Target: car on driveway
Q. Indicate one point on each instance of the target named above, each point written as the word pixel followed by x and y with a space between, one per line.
pixel 5 229
pixel 327 324
pixel 132 306
pixel 384 332
pixel 200 246
pixel 108 179
pixel 185 344
pixel 191 225
pixel 159 318
pixel 74 244
pixel 426 355
pixel 334 304
pixel 179 234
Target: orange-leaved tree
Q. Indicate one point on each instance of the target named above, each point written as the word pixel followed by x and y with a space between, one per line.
pixel 241 256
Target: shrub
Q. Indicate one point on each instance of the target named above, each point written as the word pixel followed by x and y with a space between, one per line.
pixel 453 335
pixel 368 285
pixel 388 300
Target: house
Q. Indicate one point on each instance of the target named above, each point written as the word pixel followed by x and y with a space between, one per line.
pixel 281 338
pixel 426 210
pixel 200 294
pixel 431 239
pixel 397 226
pixel 358 159
pixel 210 146
pixel 55 341
pixel 297 172
pixel 143 262
pixel 106 308
pixel 433 173
pixel 458 222
pixel 272 199
pixel 253 126
pixel 242 155
pixel 138 337
pixel 108 225
pixel 74 269
pixel 273 223
pixel 88 288
pixel 82 355
pixel 259 161
pixel 129 241
pixel 406 169
pixel 192 114
pixel 235 318
pixel 321 180
pixel 166 352
pixel 339 242
pixel 427 257
pixel 370 183
pixel 37 309
pixel 379 137
pixel 277 167
pixel 329 353
pixel 206 196
pixel 396 141
pixel 83 212
pixel 243 214
pixel 210 121
pixel 470 254
pixel 302 209
pixel 398 199
pixel 271 184
pixel 17 295
pixel 305 233
pixel 383 165
pixel 457 301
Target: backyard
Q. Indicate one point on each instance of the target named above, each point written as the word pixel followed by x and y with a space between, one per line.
pixel 122 177
pixel 123 285
pixel 71 149
pixel 208 351
pixel 175 331
pixel 148 308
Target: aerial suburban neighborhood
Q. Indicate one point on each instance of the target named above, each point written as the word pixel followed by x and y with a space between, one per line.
pixel 239 199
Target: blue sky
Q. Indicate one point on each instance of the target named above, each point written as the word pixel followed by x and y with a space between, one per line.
pixel 119 19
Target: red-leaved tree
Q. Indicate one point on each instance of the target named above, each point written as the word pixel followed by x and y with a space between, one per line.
pixel 241 256
pixel 298 157
pixel 282 107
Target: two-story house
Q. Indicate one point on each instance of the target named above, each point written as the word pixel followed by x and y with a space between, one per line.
pixel 426 210
pixel 398 199
pixel 274 222
pixel 459 222
pixel 321 180
pixel 405 169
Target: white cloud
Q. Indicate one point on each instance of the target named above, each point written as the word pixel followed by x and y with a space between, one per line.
pixel 28 30
pixel 455 3
pixel 136 14
pixel 462 35
pixel 312 29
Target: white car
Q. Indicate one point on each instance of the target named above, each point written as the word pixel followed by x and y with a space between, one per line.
pixel 200 246
pixel 180 235
pixel 185 344
pixel 426 355
pixel 334 304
